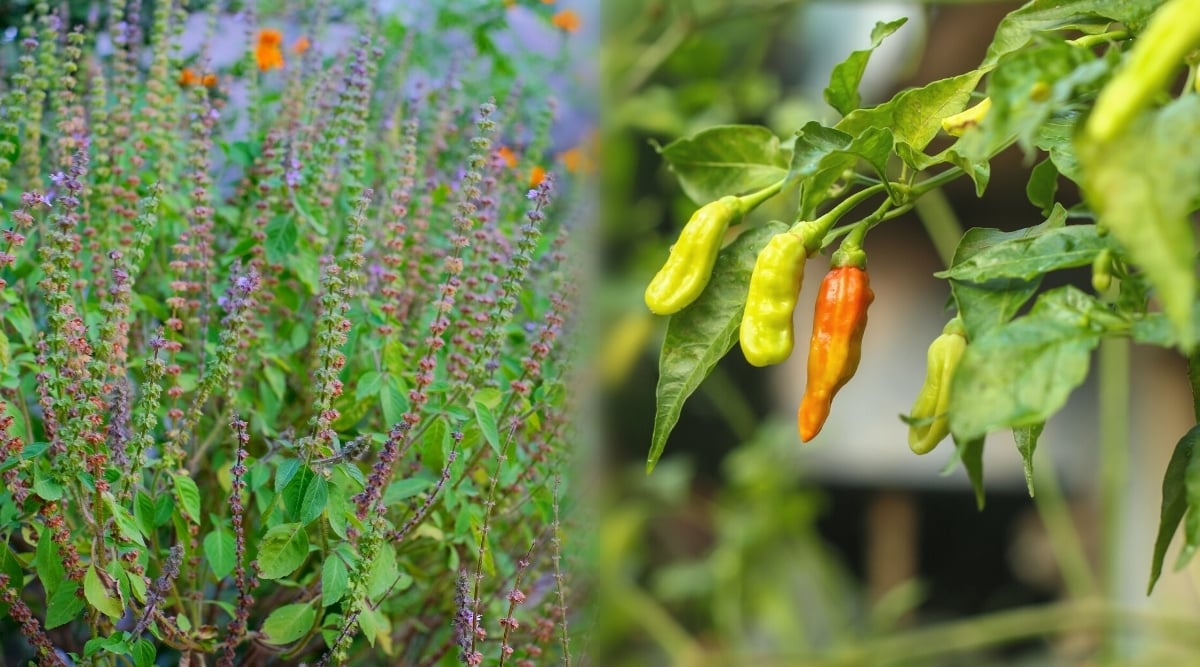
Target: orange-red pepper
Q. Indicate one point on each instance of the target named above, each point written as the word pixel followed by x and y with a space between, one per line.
pixel 839 320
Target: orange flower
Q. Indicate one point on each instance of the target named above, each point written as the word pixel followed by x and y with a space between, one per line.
pixel 209 80
pixel 536 176
pixel 270 37
pixel 301 45
pixel 548 2
pixel 576 160
pixel 268 54
pixel 188 77
pixel 566 20
pixel 507 155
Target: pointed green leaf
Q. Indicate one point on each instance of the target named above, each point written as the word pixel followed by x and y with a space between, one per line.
pixel 144 653
pixel 393 399
pixel 282 550
pixel 99 596
pixel 727 160
pixel 1042 185
pixel 1148 210
pixel 987 305
pixel 220 550
pixel 1175 499
pixel 305 496
pixel 188 495
pixel 1021 26
pixel 822 155
pixel 970 452
pixel 699 335
pixel 1021 373
pixel 842 93
pixel 335 579
pixel 127 526
pixel 289 623
pixel 915 116
pixel 1191 522
pixel 64 605
pixel 1028 257
pixel 383 572
pixel 487 424
pixel 1027 439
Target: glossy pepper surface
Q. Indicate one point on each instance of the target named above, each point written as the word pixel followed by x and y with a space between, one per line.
pixel 687 270
pixel 934 398
pixel 766 333
pixel 1171 34
pixel 839 320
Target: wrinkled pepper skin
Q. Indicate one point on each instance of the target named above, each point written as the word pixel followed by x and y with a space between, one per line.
pixel 687 270
pixel 934 398
pixel 766 333
pixel 839 320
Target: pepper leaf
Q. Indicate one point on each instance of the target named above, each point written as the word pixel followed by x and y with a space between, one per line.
pixel 701 334
pixel 915 116
pixel 1027 440
pixel 822 155
pixel 1148 210
pixel 1021 373
pixel 842 93
pixel 1043 185
pixel 1175 499
pixel 727 160
pixel 970 452
pixel 1028 257
pixel 1021 26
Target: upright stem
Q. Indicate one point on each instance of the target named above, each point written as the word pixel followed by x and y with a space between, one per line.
pixel 940 223
pixel 1114 464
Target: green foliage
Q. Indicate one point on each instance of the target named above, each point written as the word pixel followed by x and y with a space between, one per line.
pixel 285 344
pixel 1043 72
pixel 699 335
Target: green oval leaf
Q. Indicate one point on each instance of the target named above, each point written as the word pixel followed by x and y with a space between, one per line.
pixel 282 550
pixel 99 596
pixel 487 424
pixel 1029 257
pixel 188 495
pixel 1175 499
pixel 1021 373
pixel 289 623
pixel 220 550
pixel 727 160
pixel 335 580
pixel 1148 209
pixel 842 93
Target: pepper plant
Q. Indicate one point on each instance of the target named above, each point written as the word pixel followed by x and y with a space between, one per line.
pixel 1104 94
pixel 284 370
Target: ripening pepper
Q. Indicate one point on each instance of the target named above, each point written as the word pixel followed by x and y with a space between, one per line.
pixel 839 320
pixel 766 332
pixel 1170 35
pixel 960 122
pixel 931 423
pixel 687 270
pixel 1102 271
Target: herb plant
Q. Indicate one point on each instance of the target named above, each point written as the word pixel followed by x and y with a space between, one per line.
pixel 284 340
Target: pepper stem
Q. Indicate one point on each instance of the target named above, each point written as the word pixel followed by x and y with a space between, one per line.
pixel 751 201
pixel 814 231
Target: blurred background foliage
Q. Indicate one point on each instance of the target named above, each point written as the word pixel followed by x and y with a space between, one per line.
pixel 742 548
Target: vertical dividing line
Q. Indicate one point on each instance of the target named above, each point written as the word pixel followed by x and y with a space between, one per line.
pixel 1114 469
